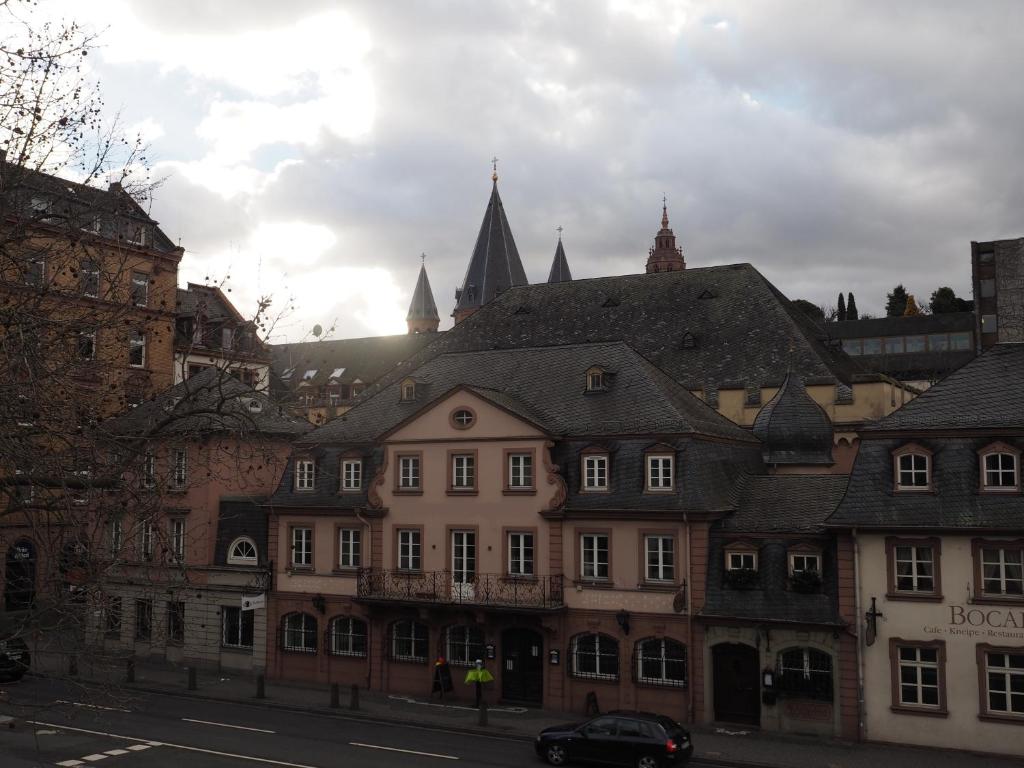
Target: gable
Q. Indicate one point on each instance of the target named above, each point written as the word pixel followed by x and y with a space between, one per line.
pixel 491 421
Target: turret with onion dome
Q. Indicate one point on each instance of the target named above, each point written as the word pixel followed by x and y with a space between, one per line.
pixel 793 428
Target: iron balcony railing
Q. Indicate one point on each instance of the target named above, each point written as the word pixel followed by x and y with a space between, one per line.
pixel 482 589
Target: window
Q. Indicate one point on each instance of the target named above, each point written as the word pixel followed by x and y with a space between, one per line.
pixel 520 471
pixel 299 633
pixel 305 475
pixel 409 473
pixel 661 661
pixel 1002 570
pixel 595 473
pixel 87 345
pixel 137 349
pixel 147 540
pixel 463 645
pixel 593 556
pixel 112 617
pixel 463 472
pixel 595 380
pixel 349 548
pixel 408 641
pixel 143 619
pixel 660 558
pixel 999 471
pixel 804 563
pixel 302 547
pixel 520 554
pixel 140 289
pixel 178 539
pixel 988 287
pixel 1003 691
pixel 659 473
pixel 805 673
pixel 347 636
pixel 463 418
pixel 243 552
pixel 989 324
pixel 176 623
pixel 116 536
pixel 913 470
pixel 852 346
pixel 913 565
pixel 915 343
pixel 408 391
pixel 960 341
pixel 741 561
pixel 35 271
pixel 89 279
pixel 179 471
pixel 137 235
pixel 409 549
pixel 237 627
pixel 595 657
pixel 149 470
pixel 938 342
pixel 919 675
pixel 351 474
pixel 872 346
pixel 894 345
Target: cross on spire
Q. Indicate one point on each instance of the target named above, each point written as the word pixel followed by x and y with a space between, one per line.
pixel 559 230
pixel 494 166
pixel 423 258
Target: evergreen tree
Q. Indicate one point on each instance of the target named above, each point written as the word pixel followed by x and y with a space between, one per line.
pixel 896 302
pixel 841 308
pixel 851 308
pixel 945 300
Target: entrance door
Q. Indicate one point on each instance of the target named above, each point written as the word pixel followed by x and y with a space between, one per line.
pixel 737 684
pixel 463 565
pixel 20 576
pixel 522 666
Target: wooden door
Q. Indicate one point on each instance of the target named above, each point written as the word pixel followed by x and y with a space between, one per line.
pixel 737 684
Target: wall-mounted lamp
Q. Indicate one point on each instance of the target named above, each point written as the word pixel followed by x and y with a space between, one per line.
pixel 871 623
pixel 622 617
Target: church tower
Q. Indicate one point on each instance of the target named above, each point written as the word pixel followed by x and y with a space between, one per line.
pixel 422 317
pixel 665 256
pixel 559 266
pixel 495 265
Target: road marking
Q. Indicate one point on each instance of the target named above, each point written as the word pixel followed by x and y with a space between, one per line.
pixel 116 752
pixel 266 760
pixel 226 725
pixel 94 758
pixel 70 763
pixel 138 747
pixel 406 751
pixel 93 706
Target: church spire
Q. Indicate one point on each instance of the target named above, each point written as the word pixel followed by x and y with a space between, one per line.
pixel 422 317
pixel 665 256
pixel 494 265
pixel 559 266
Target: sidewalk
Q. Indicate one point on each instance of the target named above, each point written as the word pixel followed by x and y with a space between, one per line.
pixel 716 743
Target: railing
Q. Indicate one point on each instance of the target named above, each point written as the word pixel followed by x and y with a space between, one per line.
pixel 483 589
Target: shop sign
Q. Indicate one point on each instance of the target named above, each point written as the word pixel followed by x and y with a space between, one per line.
pixel 985 622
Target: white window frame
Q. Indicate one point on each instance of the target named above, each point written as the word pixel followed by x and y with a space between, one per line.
pixel 147 540
pixel 595 472
pixel 463 418
pixel 999 472
pixel 598 656
pixel 418 635
pixel 351 474
pixel 661 659
pixel 595 380
pixel 521 553
pixel 91 336
pixel 460 642
pixel 89 270
pixel 137 341
pixel 663 568
pixel 912 472
pixel 520 471
pixel 798 562
pixel 918 665
pixel 302 546
pixel 305 475
pixel 916 571
pixel 116 535
pixel 410 549
pixel 660 472
pixel 591 551
pixel 307 637
pixel 1002 563
pixel 140 289
pixel 408 391
pixel 237 641
pixel 1008 674
pixel 179 468
pixel 350 542
pixel 149 470
pixel 236 559
pixel 742 557
pixel 345 643
pixel 409 473
pixel 463 471
pixel 177 537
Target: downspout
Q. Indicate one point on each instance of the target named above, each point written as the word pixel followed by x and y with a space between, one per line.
pixel 369 624
pixel 861 726
pixel 689 615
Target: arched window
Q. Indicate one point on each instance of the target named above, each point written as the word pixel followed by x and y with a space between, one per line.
pixel 347 636
pixel 805 673
pixel 299 633
pixel 595 657
pixel 660 661
pixel 408 641
pixel 999 470
pixel 242 552
pixel 463 645
pixel 912 468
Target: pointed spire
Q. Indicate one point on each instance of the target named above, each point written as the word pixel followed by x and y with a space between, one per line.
pixel 422 315
pixel 665 256
pixel 495 264
pixel 559 266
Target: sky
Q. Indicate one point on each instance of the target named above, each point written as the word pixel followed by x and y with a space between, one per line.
pixel 311 151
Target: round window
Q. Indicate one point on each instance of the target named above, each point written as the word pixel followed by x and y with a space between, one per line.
pixel 463 418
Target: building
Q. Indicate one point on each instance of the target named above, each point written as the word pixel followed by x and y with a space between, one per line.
pixel 917 350
pixel 665 255
pixel 559 272
pixel 997 276
pixel 935 512
pixel 422 317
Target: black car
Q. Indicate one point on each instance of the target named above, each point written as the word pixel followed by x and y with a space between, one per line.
pixel 14 657
pixel 638 739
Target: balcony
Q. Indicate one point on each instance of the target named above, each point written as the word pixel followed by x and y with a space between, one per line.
pixel 484 590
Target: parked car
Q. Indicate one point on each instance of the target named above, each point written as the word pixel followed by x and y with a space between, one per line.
pixel 14 657
pixel 638 739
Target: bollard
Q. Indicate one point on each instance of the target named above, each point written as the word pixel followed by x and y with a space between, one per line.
pixel 481 718
pixel 191 678
pixel 334 696
pixel 129 674
pixel 260 691
pixel 353 703
pixel 73 666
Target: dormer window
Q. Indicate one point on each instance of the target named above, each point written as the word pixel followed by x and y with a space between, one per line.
pixel 659 472
pixel 912 468
pixel 308 375
pixel 596 381
pixel 351 474
pixel 999 468
pixel 242 552
pixel 595 472
pixel 408 390
pixel 741 560
pixel 305 475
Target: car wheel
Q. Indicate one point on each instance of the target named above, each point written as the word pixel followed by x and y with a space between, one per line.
pixel 556 754
pixel 648 761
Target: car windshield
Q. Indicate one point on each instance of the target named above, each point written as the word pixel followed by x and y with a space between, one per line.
pixel 669 724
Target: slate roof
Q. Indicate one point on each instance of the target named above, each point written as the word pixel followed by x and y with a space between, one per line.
pixel 209 402
pixel 785 503
pixel 559 266
pixel 241 517
pixel 793 428
pixel 365 360
pixel 422 306
pixel 206 300
pixel 495 265
pixel 708 327
pixel 550 382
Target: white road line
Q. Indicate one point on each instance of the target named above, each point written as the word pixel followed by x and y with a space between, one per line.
pixel 266 760
pixel 94 758
pixel 116 752
pixel 226 725
pixel 93 706
pixel 70 763
pixel 406 751
pixel 138 747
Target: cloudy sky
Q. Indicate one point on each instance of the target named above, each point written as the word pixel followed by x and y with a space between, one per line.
pixel 314 149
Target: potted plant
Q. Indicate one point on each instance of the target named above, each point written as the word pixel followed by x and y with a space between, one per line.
pixel 741 578
pixel 805 582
